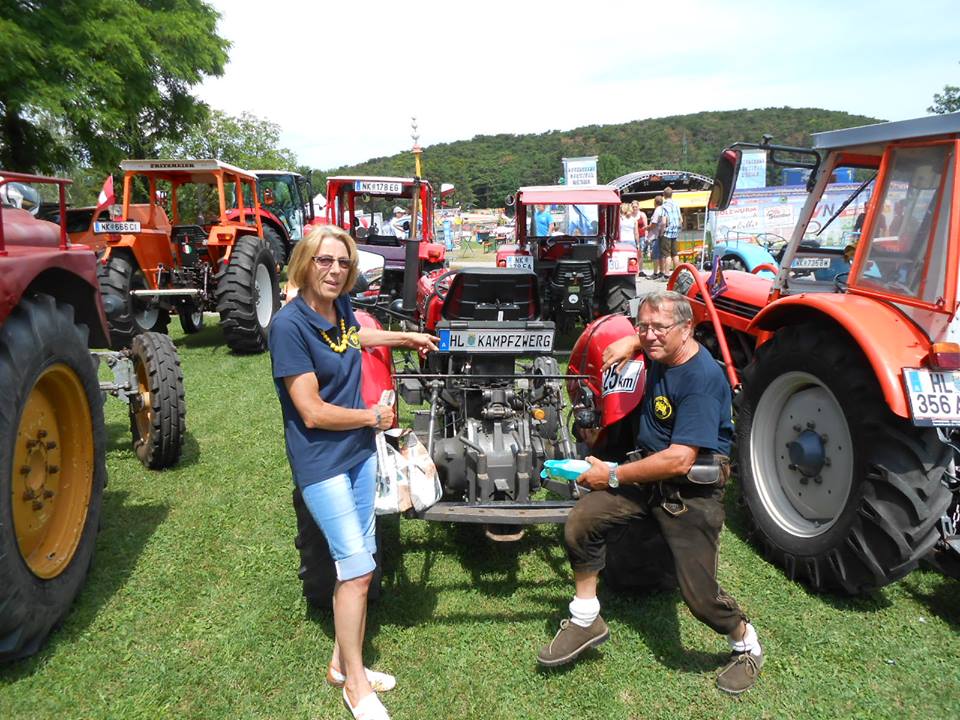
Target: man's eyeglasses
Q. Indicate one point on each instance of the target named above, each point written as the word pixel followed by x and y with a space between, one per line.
pixel 658 330
pixel 325 261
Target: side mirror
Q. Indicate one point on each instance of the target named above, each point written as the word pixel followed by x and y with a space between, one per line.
pixel 371 271
pixel 510 206
pixel 725 179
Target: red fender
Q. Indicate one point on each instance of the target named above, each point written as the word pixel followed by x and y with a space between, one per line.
pixel 888 339
pixel 616 394
pixel 377 369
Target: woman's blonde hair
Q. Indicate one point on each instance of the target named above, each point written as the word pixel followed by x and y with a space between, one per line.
pixel 298 271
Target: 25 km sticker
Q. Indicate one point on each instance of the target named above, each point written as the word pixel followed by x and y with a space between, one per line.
pixel 622 381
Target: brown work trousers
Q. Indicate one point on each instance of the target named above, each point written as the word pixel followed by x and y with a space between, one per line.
pixel 693 536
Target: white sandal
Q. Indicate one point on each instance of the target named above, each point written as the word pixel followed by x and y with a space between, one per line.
pixel 379 681
pixel 369 708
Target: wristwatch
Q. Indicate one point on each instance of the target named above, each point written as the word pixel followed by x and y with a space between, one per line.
pixel 612 481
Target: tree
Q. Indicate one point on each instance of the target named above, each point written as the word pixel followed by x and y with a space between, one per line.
pixel 247 141
pixel 946 102
pixel 88 83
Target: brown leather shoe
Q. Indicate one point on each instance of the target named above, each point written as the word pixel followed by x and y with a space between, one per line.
pixel 571 640
pixel 740 673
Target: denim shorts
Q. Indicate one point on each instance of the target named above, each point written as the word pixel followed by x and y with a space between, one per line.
pixel 342 507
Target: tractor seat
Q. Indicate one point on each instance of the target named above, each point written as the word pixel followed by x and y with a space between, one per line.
pixel 492 294
pixel 382 240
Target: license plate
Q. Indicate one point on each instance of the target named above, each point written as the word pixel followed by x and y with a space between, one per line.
pixel 618 263
pixel 377 187
pixel 521 262
pixel 934 396
pixel 101 227
pixel 810 263
pixel 495 341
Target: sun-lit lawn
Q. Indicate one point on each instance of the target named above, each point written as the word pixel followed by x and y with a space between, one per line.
pixel 193 608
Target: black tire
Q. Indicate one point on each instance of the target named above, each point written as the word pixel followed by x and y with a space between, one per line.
pixel 275 243
pixel 248 295
pixel 118 277
pixel 317 571
pixel 51 423
pixel 859 509
pixel 158 414
pixel 618 294
pixel 191 317
pixel 732 262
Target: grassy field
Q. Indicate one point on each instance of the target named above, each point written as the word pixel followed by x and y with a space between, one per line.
pixel 193 608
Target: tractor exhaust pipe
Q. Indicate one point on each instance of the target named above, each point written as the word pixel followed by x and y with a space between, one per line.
pixel 411 262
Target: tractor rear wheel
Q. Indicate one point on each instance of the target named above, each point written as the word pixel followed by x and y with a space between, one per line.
pixel 275 243
pixel 618 294
pixel 841 493
pixel 733 262
pixel 317 571
pixel 158 412
pixel 52 471
pixel 191 316
pixel 248 295
pixel 118 277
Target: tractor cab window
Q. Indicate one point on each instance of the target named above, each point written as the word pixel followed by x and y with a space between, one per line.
pixel 198 204
pixel 907 243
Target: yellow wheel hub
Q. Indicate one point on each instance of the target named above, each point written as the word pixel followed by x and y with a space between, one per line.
pixel 142 415
pixel 52 474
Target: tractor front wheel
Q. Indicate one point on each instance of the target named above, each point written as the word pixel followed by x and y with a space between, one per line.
pixel 52 471
pixel 158 412
pixel 841 493
pixel 618 294
pixel 118 277
pixel 248 295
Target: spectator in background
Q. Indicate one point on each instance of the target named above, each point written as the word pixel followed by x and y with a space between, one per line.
pixel 654 231
pixel 673 223
pixel 628 225
pixel 642 244
pixel 542 220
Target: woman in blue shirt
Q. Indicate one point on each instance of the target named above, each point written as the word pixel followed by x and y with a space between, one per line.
pixel 315 345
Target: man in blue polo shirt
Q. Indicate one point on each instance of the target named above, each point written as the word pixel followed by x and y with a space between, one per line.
pixel 684 437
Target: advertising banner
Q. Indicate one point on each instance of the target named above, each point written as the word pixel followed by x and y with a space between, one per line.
pixel 581 171
pixel 753 169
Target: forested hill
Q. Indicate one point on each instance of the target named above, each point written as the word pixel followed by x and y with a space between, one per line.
pixel 489 167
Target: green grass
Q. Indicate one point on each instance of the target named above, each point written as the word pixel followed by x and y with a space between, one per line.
pixel 193 608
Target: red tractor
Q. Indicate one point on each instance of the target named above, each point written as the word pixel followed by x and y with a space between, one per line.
pixel 52 436
pixel 382 214
pixel 850 406
pixel 570 236
pixel 200 258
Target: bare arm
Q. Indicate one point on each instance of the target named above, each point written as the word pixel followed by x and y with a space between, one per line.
pixel 620 351
pixel 670 462
pixel 423 342
pixel 319 414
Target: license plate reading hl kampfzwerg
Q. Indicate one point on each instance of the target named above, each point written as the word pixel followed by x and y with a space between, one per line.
pixel 495 341
pixel 934 396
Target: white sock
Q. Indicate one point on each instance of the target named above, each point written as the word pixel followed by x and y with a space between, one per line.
pixel 583 611
pixel 750 642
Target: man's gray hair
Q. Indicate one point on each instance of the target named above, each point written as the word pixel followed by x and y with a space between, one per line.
pixel 682 312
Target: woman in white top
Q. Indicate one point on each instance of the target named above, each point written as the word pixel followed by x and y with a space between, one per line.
pixel 628 224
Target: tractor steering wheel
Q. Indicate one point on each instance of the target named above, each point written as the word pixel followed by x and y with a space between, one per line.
pixel 841 285
pixel 436 292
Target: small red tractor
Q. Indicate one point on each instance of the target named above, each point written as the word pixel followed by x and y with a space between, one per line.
pixel 206 260
pixel 584 269
pixel 285 209
pixel 52 436
pixel 848 418
pixel 403 236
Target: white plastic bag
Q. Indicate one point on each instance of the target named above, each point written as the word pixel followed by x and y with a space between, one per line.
pixel 421 474
pixel 393 491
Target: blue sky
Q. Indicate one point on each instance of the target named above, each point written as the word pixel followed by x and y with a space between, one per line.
pixel 343 79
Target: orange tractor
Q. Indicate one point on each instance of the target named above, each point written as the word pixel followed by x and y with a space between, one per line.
pixel 202 257
pixel 52 435
pixel 848 419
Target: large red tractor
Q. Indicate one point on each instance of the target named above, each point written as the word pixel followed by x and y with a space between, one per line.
pixel 570 236
pixel 850 406
pixel 52 437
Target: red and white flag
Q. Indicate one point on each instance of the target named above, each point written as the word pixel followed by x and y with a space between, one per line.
pixel 106 197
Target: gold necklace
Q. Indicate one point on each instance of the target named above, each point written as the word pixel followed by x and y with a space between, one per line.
pixel 348 338
pixel 341 345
